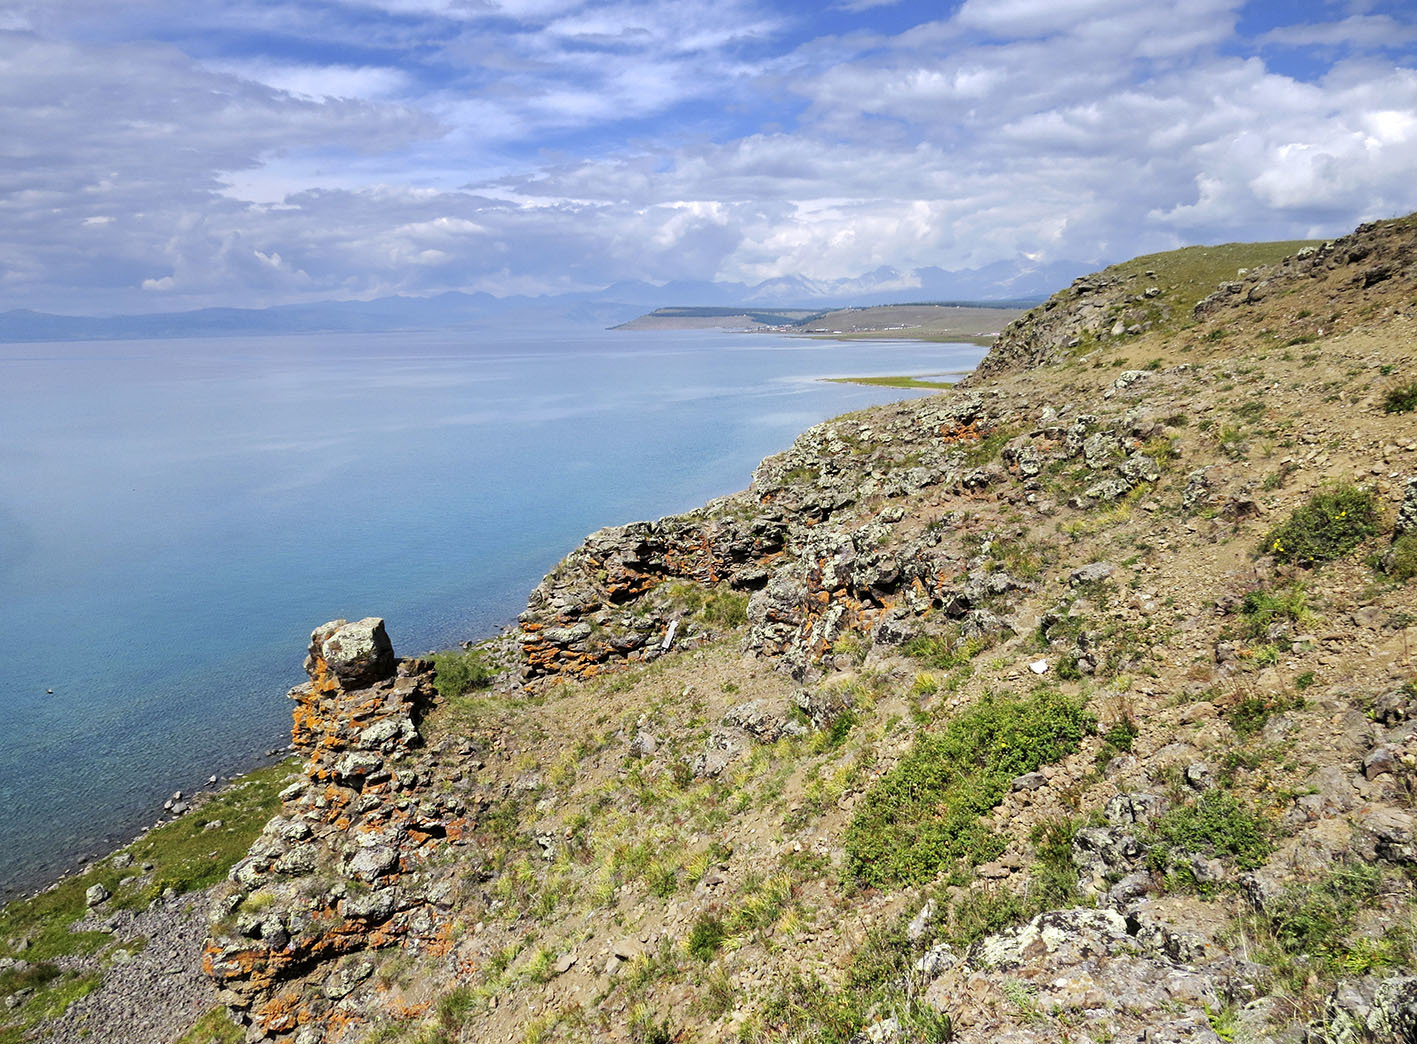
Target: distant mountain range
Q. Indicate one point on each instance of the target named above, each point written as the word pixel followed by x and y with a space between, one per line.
pixel 1001 282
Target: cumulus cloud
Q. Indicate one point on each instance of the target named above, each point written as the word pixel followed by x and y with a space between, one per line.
pixel 1377 32
pixel 545 145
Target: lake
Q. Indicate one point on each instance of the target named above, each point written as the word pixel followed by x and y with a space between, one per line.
pixel 177 515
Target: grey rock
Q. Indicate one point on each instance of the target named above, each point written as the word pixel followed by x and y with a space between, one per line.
pixel 373 862
pixel 936 961
pixel 358 764
pixel 1200 775
pixel 1126 810
pixel 755 718
pixel 711 763
pixel 1130 888
pixel 358 654
pixel 1108 489
pixel 1367 1009
pixel 1091 573
pixel 345 978
pixel 1106 850
pixel 1386 833
pixel 1140 467
pixel 1393 707
pixel 96 894
pixel 1028 781
pixel 921 921
pixel 1197 489
pixel 1101 449
pixel 299 860
pixel 372 907
pixel 823 706
pixel 1380 760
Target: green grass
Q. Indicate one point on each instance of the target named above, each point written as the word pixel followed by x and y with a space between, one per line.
pixel 706 937
pixel 1117 740
pixel 925 817
pixel 1250 714
pixel 1191 273
pixel 1328 526
pixel 1307 936
pixel 720 605
pixel 460 671
pixel 893 382
pixel 215 1027
pixel 941 652
pixel 1262 609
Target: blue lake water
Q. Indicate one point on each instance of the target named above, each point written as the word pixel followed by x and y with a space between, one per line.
pixel 176 516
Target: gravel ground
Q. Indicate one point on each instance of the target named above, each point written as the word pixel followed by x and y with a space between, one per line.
pixel 153 996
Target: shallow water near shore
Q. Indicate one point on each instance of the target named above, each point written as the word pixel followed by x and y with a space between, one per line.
pixel 175 517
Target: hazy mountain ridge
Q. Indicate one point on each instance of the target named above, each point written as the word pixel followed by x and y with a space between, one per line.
pixel 617 303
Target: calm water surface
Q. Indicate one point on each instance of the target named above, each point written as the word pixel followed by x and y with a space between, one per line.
pixel 175 517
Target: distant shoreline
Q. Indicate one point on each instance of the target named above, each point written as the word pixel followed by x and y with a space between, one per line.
pixel 974 323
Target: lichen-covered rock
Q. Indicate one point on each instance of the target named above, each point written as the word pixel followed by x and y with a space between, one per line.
pixel 1095 971
pixel 1407 512
pixel 1367 1009
pixel 358 654
pixel 350 865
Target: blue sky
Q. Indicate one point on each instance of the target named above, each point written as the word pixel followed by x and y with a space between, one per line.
pixel 158 155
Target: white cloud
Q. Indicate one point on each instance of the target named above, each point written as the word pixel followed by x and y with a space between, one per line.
pixel 1375 31
pixel 485 146
pixel 319 81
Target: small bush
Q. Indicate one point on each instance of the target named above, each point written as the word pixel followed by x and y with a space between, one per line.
pixel 1313 919
pixel 719 605
pixel 1401 561
pixel 1250 714
pixel 705 937
pixel 1262 609
pixel 1402 399
pixel 925 816
pixel 1327 527
pixel 458 672
pixel 1215 824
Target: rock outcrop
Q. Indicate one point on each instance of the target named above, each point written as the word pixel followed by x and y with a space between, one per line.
pixel 350 866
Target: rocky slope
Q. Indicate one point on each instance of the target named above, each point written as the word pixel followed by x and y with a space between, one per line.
pixel 1073 704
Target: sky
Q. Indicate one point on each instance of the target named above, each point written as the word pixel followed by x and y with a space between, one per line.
pixel 157 155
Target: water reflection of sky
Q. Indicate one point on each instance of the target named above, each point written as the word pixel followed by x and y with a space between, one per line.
pixel 175 516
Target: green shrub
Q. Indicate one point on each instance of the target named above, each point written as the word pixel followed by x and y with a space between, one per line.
pixel 1402 399
pixel 726 607
pixel 1215 824
pixel 1261 609
pixel 719 605
pixel 1250 714
pixel 1116 740
pixel 925 816
pixel 1314 918
pixel 1329 526
pixel 458 672
pixel 1402 559
pixel 705 937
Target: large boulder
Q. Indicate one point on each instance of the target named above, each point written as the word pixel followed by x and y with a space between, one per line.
pixel 358 654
